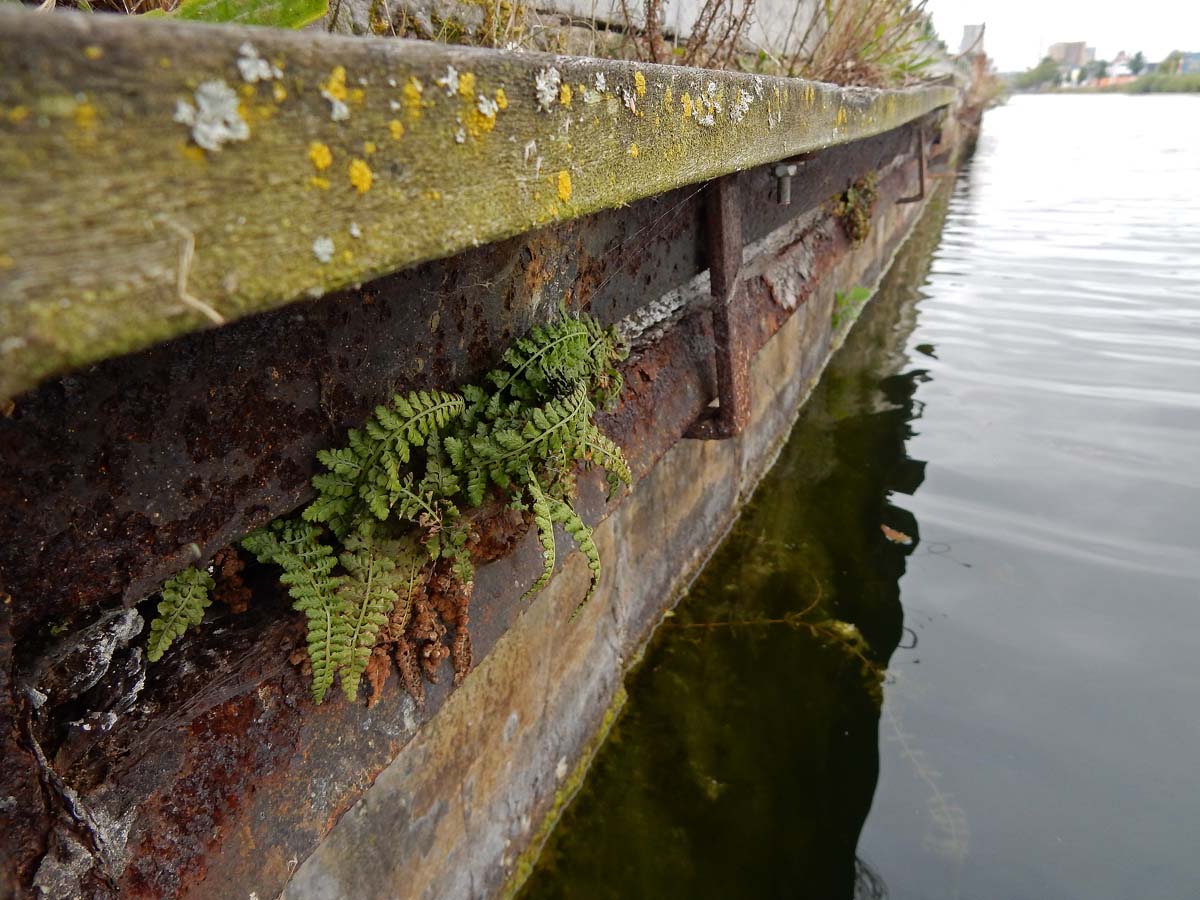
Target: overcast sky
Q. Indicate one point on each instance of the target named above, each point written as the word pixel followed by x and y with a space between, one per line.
pixel 1019 31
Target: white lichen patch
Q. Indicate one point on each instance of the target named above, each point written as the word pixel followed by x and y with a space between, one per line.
pixel 547 83
pixel 460 136
pixel 758 86
pixel 738 111
pixel 590 97
pixel 487 106
pixel 629 98
pixel 214 119
pixel 601 83
pixel 395 105
pixel 355 231
pixel 253 67
pixel 449 81
pixel 707 106
pixel 323 249
pixel 338 110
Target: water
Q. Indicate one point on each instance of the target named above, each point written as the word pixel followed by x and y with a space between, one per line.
pixel 1022 401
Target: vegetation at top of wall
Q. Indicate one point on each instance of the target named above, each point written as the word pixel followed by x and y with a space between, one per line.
pixel 382 556
pixel 855 206
pixel 851 42
pixel 272 13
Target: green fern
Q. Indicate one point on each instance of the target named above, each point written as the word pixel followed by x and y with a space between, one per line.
pixel 543 520
pixel 422 459
pixel 377 571
pixel 184 599
pixel 308 564
pixel 564 514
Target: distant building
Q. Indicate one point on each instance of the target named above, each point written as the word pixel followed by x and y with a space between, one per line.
pixel 972 39
pixel 1189 63
pixel 1070 55
pixel 1119 67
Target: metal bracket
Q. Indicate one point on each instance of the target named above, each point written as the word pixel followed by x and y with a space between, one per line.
pixel 920 195
pixel 723 217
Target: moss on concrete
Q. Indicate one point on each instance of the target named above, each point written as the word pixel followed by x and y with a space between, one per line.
pixel 149 186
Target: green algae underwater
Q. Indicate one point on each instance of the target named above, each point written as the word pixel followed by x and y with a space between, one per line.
pixel 746 758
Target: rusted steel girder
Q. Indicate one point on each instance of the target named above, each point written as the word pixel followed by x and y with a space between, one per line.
pixel 218 774
pixel 723 215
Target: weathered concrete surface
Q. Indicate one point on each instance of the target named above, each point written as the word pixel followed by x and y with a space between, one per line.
pixel 450 817
pixel 180 174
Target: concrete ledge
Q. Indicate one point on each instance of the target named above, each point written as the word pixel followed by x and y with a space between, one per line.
pixel 157 177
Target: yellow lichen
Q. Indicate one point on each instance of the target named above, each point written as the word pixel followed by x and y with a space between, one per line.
pixel 93 52
pixel 639 84
pixel 396 127
pixel 247 91
pixel 564 185
pixel 564 94
pixel 279 91
pixel 321 156
pixel 357 96
pixel 412 97
pixel 668 97
pixel 842 117
pixel 686 101
pixel 85 116
pixel 164 62
pixel 478 123
pixel 18 114
pixel 360 175
pixel 433 195
pixel 194 153
pixel 368 148
pixel 501 98
pixel 316 181
pixel 466 85
pixel 335 86
pixel 633 150
pixel 347 256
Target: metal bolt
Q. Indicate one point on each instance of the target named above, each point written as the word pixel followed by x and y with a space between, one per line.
pixel 784 173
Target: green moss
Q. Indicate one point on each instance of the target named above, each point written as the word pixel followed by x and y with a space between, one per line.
pixel 566 791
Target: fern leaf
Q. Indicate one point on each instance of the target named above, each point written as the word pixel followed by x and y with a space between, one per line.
pixel 184 599
pixel 564 514
pixel 307 564
pixel 543 518
pixel 367 597
pixel 602 451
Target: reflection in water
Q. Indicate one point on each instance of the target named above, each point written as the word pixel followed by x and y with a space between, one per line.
pixel 747 757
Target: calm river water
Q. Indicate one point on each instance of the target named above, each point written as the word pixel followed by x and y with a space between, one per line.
pixel 1022 399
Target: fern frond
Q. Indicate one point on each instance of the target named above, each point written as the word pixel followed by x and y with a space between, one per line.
pixel 543 518
pixel 184 599
pixel 564 514
pixel 367 597
pixel 307 564
pixel 601 450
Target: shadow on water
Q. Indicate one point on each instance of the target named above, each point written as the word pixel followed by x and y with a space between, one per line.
pixel 745 762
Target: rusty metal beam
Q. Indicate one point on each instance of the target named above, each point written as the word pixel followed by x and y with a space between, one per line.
pixel 723 217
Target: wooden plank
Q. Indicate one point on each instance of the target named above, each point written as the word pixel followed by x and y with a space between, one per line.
pixel 158 176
